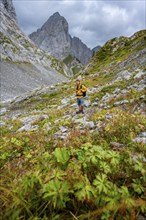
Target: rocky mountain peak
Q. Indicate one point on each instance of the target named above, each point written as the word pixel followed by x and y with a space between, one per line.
pixel 9 7
pixel 56 21
pixel 54 38
pixel 56 14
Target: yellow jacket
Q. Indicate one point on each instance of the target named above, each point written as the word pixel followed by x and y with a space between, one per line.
pixel 79 91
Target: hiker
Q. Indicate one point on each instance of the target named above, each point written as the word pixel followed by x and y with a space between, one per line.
pixel 80 94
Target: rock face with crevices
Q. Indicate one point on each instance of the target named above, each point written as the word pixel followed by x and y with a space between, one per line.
pixel 54 38
pixel 24 66
pixel 8 5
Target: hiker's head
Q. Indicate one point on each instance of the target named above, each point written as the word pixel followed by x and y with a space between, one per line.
pixel 78 80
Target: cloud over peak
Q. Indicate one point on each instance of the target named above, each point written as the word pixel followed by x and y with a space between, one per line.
pixel 94 22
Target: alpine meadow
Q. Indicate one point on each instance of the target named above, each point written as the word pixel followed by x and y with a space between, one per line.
pixel 56 164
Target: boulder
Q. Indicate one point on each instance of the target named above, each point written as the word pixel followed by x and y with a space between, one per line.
pixel 141 138
pixel 89 124
pixel 28 127
pixel 124 75
pixel 139 74
pixel 87 103
pixel 33 118
pixel 121 102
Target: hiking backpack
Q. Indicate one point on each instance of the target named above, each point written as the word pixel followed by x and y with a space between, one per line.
pixel 84 93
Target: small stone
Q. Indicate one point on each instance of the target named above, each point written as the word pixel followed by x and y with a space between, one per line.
pixel 117 90
pixel 66 117
pixel 74 106
pixel 52 87
pixel 109 116
pixel 106 97
pixel 58 120
pixel 15 116
pixel 65 101
pixel 95 104
pixel 140 217
pixel 63 129
pixel 97 99
pixel 3 111
pixel 57 134
pixel 79 120
pixel 60 107
pixel 142 134
pixel 62 137
pixel 141 138
pixel 106 107
pixel 136 157
pixel 2 123
pixel 142 97
pixel 124 91
pixel 116 145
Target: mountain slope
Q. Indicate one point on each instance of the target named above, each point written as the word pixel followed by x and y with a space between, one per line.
pixel 88 166
pixel 120 54
pixel 54 38
pixel 23 66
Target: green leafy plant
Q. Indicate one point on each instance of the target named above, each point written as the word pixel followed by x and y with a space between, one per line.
pixel 62 155
pixel 57 192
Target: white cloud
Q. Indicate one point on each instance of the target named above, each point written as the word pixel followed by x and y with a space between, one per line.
pixel 94 22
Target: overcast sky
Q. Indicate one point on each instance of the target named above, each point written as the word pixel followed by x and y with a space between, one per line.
pixel 93 21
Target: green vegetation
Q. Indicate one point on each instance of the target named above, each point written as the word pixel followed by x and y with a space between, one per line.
pixel 80 177
pixel 68 59
pixel 57 65
pixel 4 40
pixel 76 69
pixel 115 52
pixel 84 177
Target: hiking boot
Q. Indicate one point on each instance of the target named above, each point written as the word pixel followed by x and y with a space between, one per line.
pixel 80 112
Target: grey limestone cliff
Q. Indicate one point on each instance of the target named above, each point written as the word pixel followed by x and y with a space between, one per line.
pixel 8 6
pixel 80 50
pixel 24 66
pixel 54 38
